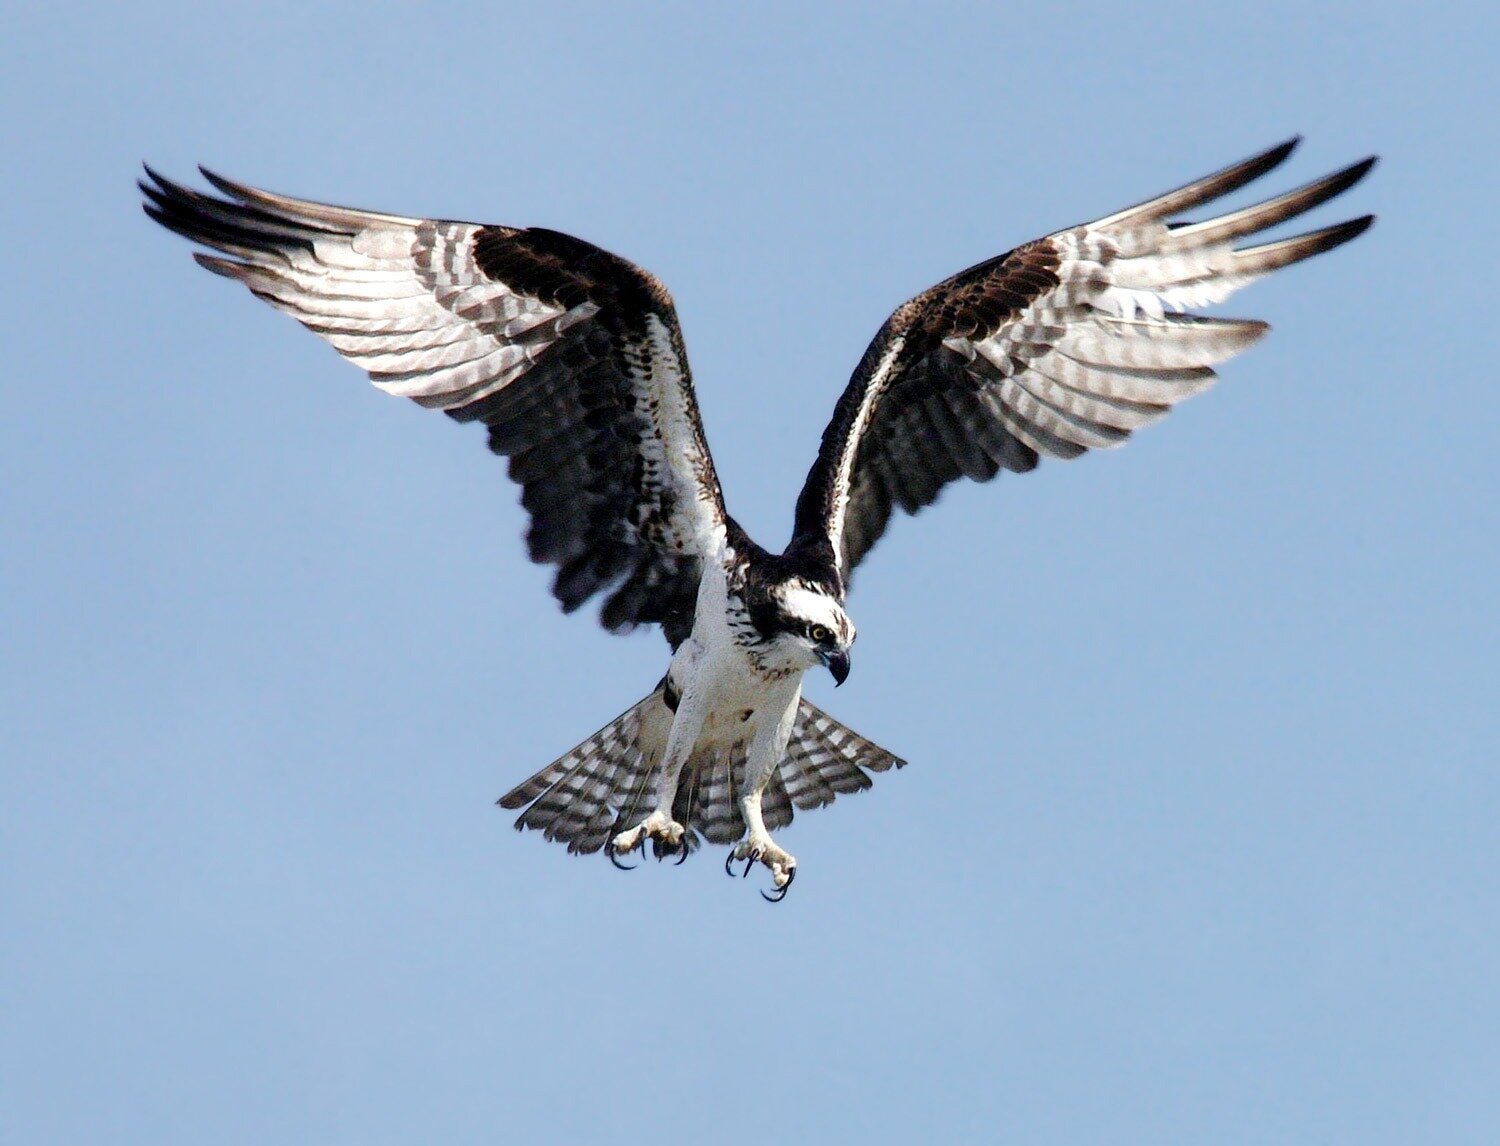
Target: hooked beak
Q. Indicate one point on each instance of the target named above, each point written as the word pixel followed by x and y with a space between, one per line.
pixel 838 665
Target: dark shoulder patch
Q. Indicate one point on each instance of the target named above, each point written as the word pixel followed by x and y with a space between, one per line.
pixel 974 302
pixel 567 271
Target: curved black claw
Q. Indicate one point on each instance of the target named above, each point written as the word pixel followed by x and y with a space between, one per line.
pixel 662 848
pixel 749 863
pixel 614 858
pixel 780 893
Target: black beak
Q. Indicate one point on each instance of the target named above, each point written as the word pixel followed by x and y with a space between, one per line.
pixel 838 665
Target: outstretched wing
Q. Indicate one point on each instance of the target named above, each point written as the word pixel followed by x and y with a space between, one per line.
pixel 1064 345
pixel 570 355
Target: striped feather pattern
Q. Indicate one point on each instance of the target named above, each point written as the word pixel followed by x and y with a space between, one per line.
pixel 1064 345
pixel 571 356
pixel 608 782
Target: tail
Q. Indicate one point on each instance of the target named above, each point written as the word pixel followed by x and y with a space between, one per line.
pixel 608 783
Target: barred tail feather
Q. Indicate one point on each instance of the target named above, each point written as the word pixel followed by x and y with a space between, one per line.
pixel 580 797
pixel 608 783
pixel 825 759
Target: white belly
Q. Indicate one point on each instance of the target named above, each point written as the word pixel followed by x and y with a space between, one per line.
pixel 737 697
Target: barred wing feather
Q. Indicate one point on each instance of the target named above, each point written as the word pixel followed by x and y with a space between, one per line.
pixel 570 355
pixel 1064 345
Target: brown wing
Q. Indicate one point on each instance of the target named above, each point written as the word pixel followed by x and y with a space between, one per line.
pixel 570 355
pixel 1064 345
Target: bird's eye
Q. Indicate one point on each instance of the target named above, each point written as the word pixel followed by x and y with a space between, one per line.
pixel 819 633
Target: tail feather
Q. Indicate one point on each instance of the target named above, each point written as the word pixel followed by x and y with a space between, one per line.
pixel 607 783
pixel 721 776
pixel 775 805
pixel 825 758
pixel 577 797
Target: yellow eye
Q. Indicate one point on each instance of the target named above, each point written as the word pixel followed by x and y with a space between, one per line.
pixel 819 633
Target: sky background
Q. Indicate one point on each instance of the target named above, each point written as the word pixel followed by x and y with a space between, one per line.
pixel 1198 839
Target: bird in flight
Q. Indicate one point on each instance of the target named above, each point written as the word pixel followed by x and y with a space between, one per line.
pixel 573 359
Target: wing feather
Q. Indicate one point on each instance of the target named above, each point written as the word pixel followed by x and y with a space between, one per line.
pixel 1064 345
pixel 571 356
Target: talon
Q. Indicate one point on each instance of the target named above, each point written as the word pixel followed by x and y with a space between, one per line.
pixel 614 858
pixel 781 891
pixel 682 858
pixel 750 862
pixel 728 861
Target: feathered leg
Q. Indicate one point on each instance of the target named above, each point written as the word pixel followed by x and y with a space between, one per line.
pixel 766 751
pixel 660 825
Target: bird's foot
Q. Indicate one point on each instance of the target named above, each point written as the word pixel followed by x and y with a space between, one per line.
pixel 779 862
pixel 667 837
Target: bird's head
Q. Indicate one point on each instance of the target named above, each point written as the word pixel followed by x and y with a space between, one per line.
pixel 807 626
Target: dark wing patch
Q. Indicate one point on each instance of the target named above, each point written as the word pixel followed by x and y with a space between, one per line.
pixel 1064 345
pixel 570 355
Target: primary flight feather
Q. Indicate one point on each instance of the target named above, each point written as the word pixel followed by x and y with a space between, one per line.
pixel 574 360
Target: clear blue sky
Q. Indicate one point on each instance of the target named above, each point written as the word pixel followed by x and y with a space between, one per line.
pixel 1198 841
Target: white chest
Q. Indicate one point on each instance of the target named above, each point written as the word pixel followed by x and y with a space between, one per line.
pixel 737 693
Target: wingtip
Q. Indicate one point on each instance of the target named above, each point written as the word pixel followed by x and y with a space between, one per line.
pixel 220 183
pixel 161 187
pixel 155 182
pixel 1210 187
pixel 1273 157
pixel 229 268
pixel 1352 174
pixel 1287 252
pixel 1341 233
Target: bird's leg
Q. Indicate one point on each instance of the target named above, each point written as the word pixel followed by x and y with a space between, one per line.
pixel 757 846
pixel 659 826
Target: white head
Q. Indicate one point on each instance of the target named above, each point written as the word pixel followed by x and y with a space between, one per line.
pixel 806 626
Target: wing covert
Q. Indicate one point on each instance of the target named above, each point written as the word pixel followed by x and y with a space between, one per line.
pixel 1064 345
pixel 571 356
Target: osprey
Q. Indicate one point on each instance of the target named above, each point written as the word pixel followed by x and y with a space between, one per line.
pixel 573 359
